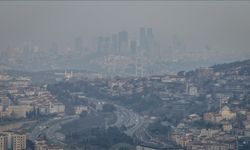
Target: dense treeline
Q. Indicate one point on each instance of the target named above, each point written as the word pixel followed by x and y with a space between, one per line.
pixel 98 138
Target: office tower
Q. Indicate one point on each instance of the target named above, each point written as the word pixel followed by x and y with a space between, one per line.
pixel 79 44
pixel 142 39
pixel 146 39
pixel 123 41
pixel 150 39
pixel 114 43
pixel 133 46
pixel 3 141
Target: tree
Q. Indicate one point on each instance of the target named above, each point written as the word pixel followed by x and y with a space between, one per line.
pixel 108 108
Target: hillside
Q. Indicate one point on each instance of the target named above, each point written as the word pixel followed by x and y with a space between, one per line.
pixel 241 67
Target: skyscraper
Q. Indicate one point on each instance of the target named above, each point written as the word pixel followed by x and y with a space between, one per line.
pixel 123 41
pixel 104 44
pixel 146 39
pixel 142 38
pixel 114 43
pixel 150 39
pixel 107 44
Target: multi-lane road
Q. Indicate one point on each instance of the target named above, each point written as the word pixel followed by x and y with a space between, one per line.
pixel 50 127
pixel 135 126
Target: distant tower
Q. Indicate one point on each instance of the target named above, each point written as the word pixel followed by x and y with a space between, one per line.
pixel 150 39
pixel 143 40
pixel 114 43
pixel 107 44
pixel 123 41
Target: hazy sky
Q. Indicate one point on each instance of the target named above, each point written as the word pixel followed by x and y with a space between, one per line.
pixel 225 26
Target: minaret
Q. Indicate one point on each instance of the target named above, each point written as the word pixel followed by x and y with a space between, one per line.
pixel 187 87
pixel 71 74
pixel 65 73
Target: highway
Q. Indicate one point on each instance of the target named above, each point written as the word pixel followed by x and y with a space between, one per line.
pixel 128 118
pixel 125 117
pixel 50 127
pixel 136 125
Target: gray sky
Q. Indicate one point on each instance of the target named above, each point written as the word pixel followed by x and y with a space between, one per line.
pixel 225 26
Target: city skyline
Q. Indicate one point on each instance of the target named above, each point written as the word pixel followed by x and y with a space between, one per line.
pixel 198 24
pixel 124 75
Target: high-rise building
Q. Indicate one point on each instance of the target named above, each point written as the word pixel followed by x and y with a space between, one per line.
pixel 150 39
pixel 123 41
pixel 3 141
pixel 12 140
pixel 9 138
pixel 114 43
pixel 143 38
pixel 107 44
pixel 18 141
pixel 146 39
